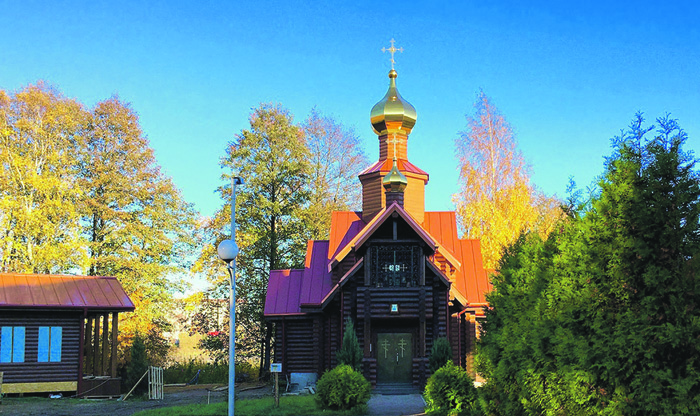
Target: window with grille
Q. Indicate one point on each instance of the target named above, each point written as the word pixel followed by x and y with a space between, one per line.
pixel 395 265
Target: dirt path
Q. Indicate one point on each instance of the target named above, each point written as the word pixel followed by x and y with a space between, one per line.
pixel 173 396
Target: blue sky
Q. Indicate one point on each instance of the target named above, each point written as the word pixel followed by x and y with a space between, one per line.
pixel 567 77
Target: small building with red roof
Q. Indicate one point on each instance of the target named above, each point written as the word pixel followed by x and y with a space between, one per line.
pixel 401 274
pixel 59 333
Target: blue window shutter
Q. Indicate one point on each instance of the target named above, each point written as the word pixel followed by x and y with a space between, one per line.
pixel 56 340
pixel 6 345
pixel 43 353
pixel 18 345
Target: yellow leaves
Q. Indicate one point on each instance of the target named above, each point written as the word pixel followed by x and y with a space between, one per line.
pixel 37 147
pixel 497 201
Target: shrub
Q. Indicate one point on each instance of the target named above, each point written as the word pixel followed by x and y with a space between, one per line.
pixel 350 352
pixel 451 391
pixel 342 388
pixel 137 366
pixel 440 354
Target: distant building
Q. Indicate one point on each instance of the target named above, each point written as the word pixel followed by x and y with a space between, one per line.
pixel 59 333
pixel 401 274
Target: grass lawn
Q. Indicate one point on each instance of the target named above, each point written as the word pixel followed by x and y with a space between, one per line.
pixel 289 406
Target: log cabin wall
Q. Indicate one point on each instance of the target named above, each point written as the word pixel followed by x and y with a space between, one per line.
pixel 294 344
pixel 32 371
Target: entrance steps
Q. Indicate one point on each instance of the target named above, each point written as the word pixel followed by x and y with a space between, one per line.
pixel 395 389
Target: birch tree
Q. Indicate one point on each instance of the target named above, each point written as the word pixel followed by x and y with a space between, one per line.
pixel 336 158
pixel 41 135
pixel 496 201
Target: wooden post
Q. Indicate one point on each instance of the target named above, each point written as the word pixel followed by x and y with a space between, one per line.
pixel 277 389
pixel 88 350
pixel 1 375
pixel 105 343
pixel 115 332
pixel 96 347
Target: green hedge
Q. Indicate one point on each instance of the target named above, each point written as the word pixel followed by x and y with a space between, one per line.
pixel 209 373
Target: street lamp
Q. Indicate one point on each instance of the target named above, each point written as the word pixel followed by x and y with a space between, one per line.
pixel 227 251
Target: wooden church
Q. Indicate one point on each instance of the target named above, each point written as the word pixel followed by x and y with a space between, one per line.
pixel 400 273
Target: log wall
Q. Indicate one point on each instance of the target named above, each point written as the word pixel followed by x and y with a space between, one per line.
pixel 31 371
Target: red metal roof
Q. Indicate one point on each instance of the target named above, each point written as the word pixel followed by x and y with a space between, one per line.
pixel 360 238
pixel 344 227
pixel 386 164
pixel 471 279
pixel 287 290
pixel 443 226
pixel 62 292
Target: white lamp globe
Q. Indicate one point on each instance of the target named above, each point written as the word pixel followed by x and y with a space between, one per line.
pixel 227 250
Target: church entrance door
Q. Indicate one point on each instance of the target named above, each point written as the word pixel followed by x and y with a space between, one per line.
pixel 394 358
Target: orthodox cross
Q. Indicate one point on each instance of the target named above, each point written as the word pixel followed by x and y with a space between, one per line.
pixel 392 50
pixel 385 345
pixel 394 141
pixel 402 344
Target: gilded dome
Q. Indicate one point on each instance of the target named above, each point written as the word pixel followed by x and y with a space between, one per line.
pixel 395 181
pixel 393 114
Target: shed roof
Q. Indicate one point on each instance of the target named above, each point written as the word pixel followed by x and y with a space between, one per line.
pixel 51 291
pixel 288 290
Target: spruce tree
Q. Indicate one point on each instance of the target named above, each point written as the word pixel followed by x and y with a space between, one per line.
pixel 350 352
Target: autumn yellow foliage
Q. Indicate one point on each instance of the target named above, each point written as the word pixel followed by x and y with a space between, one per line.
pixel 497 201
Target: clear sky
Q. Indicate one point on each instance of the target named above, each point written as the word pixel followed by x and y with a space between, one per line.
pixel 567 75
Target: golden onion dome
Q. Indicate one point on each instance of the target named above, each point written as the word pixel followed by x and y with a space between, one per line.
pixel 395 181
pixel 393 114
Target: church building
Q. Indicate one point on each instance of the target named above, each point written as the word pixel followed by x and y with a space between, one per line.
pixel 400 273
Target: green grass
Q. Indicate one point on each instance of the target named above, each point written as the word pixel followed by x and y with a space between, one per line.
pixel 289 405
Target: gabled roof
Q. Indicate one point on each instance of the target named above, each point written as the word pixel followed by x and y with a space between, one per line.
pixel 344 227
pixel 471 280
pixel 287 290
pixel 360 238
pixel 63 292
pixel 385 166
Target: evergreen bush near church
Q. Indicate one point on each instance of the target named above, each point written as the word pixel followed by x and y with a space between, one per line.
pixel 450 391
pixel 350 352
pixel 137 366
pixel 342 388
pixel 603 317
pixel 440 354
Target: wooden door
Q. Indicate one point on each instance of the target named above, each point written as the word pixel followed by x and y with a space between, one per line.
pixel 394 358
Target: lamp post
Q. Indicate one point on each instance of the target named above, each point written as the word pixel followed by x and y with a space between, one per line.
pixel 227 251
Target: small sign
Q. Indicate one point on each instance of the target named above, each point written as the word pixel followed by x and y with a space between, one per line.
pixel 394 308
pixel 276 367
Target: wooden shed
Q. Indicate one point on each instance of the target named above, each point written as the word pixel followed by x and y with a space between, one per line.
pixel 59 333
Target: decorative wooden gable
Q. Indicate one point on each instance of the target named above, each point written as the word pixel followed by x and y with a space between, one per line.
pixel 391 235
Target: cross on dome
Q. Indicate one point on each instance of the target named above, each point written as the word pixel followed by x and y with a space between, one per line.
pixel 394 140
pixel 392 50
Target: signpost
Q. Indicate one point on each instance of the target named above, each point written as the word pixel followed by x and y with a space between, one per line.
pixel 277 369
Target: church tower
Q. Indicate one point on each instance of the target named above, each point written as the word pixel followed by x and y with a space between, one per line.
pixel 392 120
pixel 402 275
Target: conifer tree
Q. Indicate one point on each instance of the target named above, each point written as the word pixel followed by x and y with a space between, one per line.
pixel 350 352
pixel 603 317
